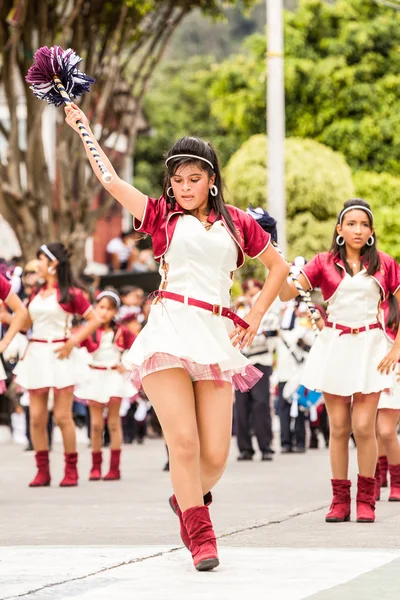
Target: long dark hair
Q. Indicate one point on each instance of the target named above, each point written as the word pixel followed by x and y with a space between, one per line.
pixel 368 254
pixel 393 318
pixel 198 147
pixel 65 277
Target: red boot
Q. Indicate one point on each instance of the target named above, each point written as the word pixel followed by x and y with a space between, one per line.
pixel 203 543
pixel 377 482
pixel 114 472
pixel 366 499
pixel 341 504
pixel 42 478
pixel 71 470
pixel 95 473
pixel 383 467
pixel 173 502
pixel 394 483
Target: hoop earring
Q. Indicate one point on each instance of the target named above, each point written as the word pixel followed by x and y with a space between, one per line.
pixel 340 240
pixel 168 194
pixel 214 191
pixel 371 241
pixel 52 270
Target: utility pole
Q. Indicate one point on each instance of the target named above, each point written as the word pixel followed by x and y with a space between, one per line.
pixel 276 118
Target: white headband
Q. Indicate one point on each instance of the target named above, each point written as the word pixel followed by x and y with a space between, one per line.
pixel 111 295
pixel 356 207
pixel 50 255
pixel 189 156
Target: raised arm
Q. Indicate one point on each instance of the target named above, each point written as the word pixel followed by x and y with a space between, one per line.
pixel 127 195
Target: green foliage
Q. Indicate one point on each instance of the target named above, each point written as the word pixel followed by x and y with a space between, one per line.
pixel 382 191
pixel 318 181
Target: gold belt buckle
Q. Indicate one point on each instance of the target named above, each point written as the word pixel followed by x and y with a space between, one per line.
pixel 355 331
pixel 216 309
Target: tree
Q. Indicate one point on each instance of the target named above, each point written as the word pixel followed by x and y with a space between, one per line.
pixel 318 181
pixel 121 43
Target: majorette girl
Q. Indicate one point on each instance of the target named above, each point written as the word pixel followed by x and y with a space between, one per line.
pixel 52 359
pixel 108 383
pixel 349 359
pixel 14 321
pixel 389 414
pixel 192 338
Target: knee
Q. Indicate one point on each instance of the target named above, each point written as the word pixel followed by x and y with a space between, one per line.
pixel 37 421
pixel 62 419
pixel 387 435
pixel 214 461
pixel 114 425
pixel 364 431
pixel 185 448
pixel 96 427
pixel 340 431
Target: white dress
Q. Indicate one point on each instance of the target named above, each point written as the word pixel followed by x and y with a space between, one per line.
pixel 40 368
pixel 347 364
pixel 390 399
pixel 102 385
pixel 199 264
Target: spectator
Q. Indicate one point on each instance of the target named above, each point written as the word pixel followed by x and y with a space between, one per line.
pixel 123 251
pixel 132 298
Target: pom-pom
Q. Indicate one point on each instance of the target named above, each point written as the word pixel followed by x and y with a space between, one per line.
pixel 264 219
pixel 63 63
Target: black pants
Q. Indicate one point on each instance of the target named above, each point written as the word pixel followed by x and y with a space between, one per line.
pixel 290 438
pixel 253 413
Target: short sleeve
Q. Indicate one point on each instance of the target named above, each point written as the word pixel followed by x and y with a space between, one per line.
pixel 129 338
pixel 79 304
pixel 256 240
pixel 5 288
pixel 313 272
pixel 393 276
pixel 151 217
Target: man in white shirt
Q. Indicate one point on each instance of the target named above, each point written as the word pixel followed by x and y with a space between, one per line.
pixel 123 252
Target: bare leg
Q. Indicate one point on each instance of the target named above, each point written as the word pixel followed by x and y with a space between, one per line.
pixel 339 413
pixel 38 420
pixel 214 405
pixel 365 407
pixel 96 425
pixel 172 396
pixel 387 435
pixel 114 423
pixel 63 417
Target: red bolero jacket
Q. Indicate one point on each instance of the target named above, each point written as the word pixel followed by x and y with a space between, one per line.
pixel 123 339
pixel 78 304
pixel 159 221
pixel 5 289
pixel 321 272
pixel 390 333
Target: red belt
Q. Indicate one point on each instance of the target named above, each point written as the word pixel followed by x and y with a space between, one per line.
pixel 48 341
pixel 353 330
pixel 215 309
pixel 104 368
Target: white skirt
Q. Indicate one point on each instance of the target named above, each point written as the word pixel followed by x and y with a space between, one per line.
pixel 348 364
pixel 40 367
pixel 391 399
pixel 104 385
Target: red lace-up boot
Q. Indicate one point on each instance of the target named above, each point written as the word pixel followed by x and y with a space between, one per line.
pixel 71 470
pixel 42 478
pixel 114 473
pixel 173 502
pixel 394 471
pixel 95 473
pixel 203 543
pixel 383 468
pixel 366 499
pixel 340 509
pixel 377 482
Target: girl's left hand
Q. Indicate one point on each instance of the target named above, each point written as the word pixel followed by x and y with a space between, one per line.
pixel 65 350
pixel 244 337
pixel 390 361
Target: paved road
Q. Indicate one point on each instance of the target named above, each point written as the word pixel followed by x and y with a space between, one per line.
pixel 120 540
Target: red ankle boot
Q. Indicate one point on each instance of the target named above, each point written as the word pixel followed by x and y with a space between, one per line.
pixel 383 468
pixel 377 482
pixel 114 472
pixel 42 478
pixel 366 499
pixel 173 502
pixel 95 473
pixel 203 543
pixel 71 470
pixel 394 471
pixel 341 503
